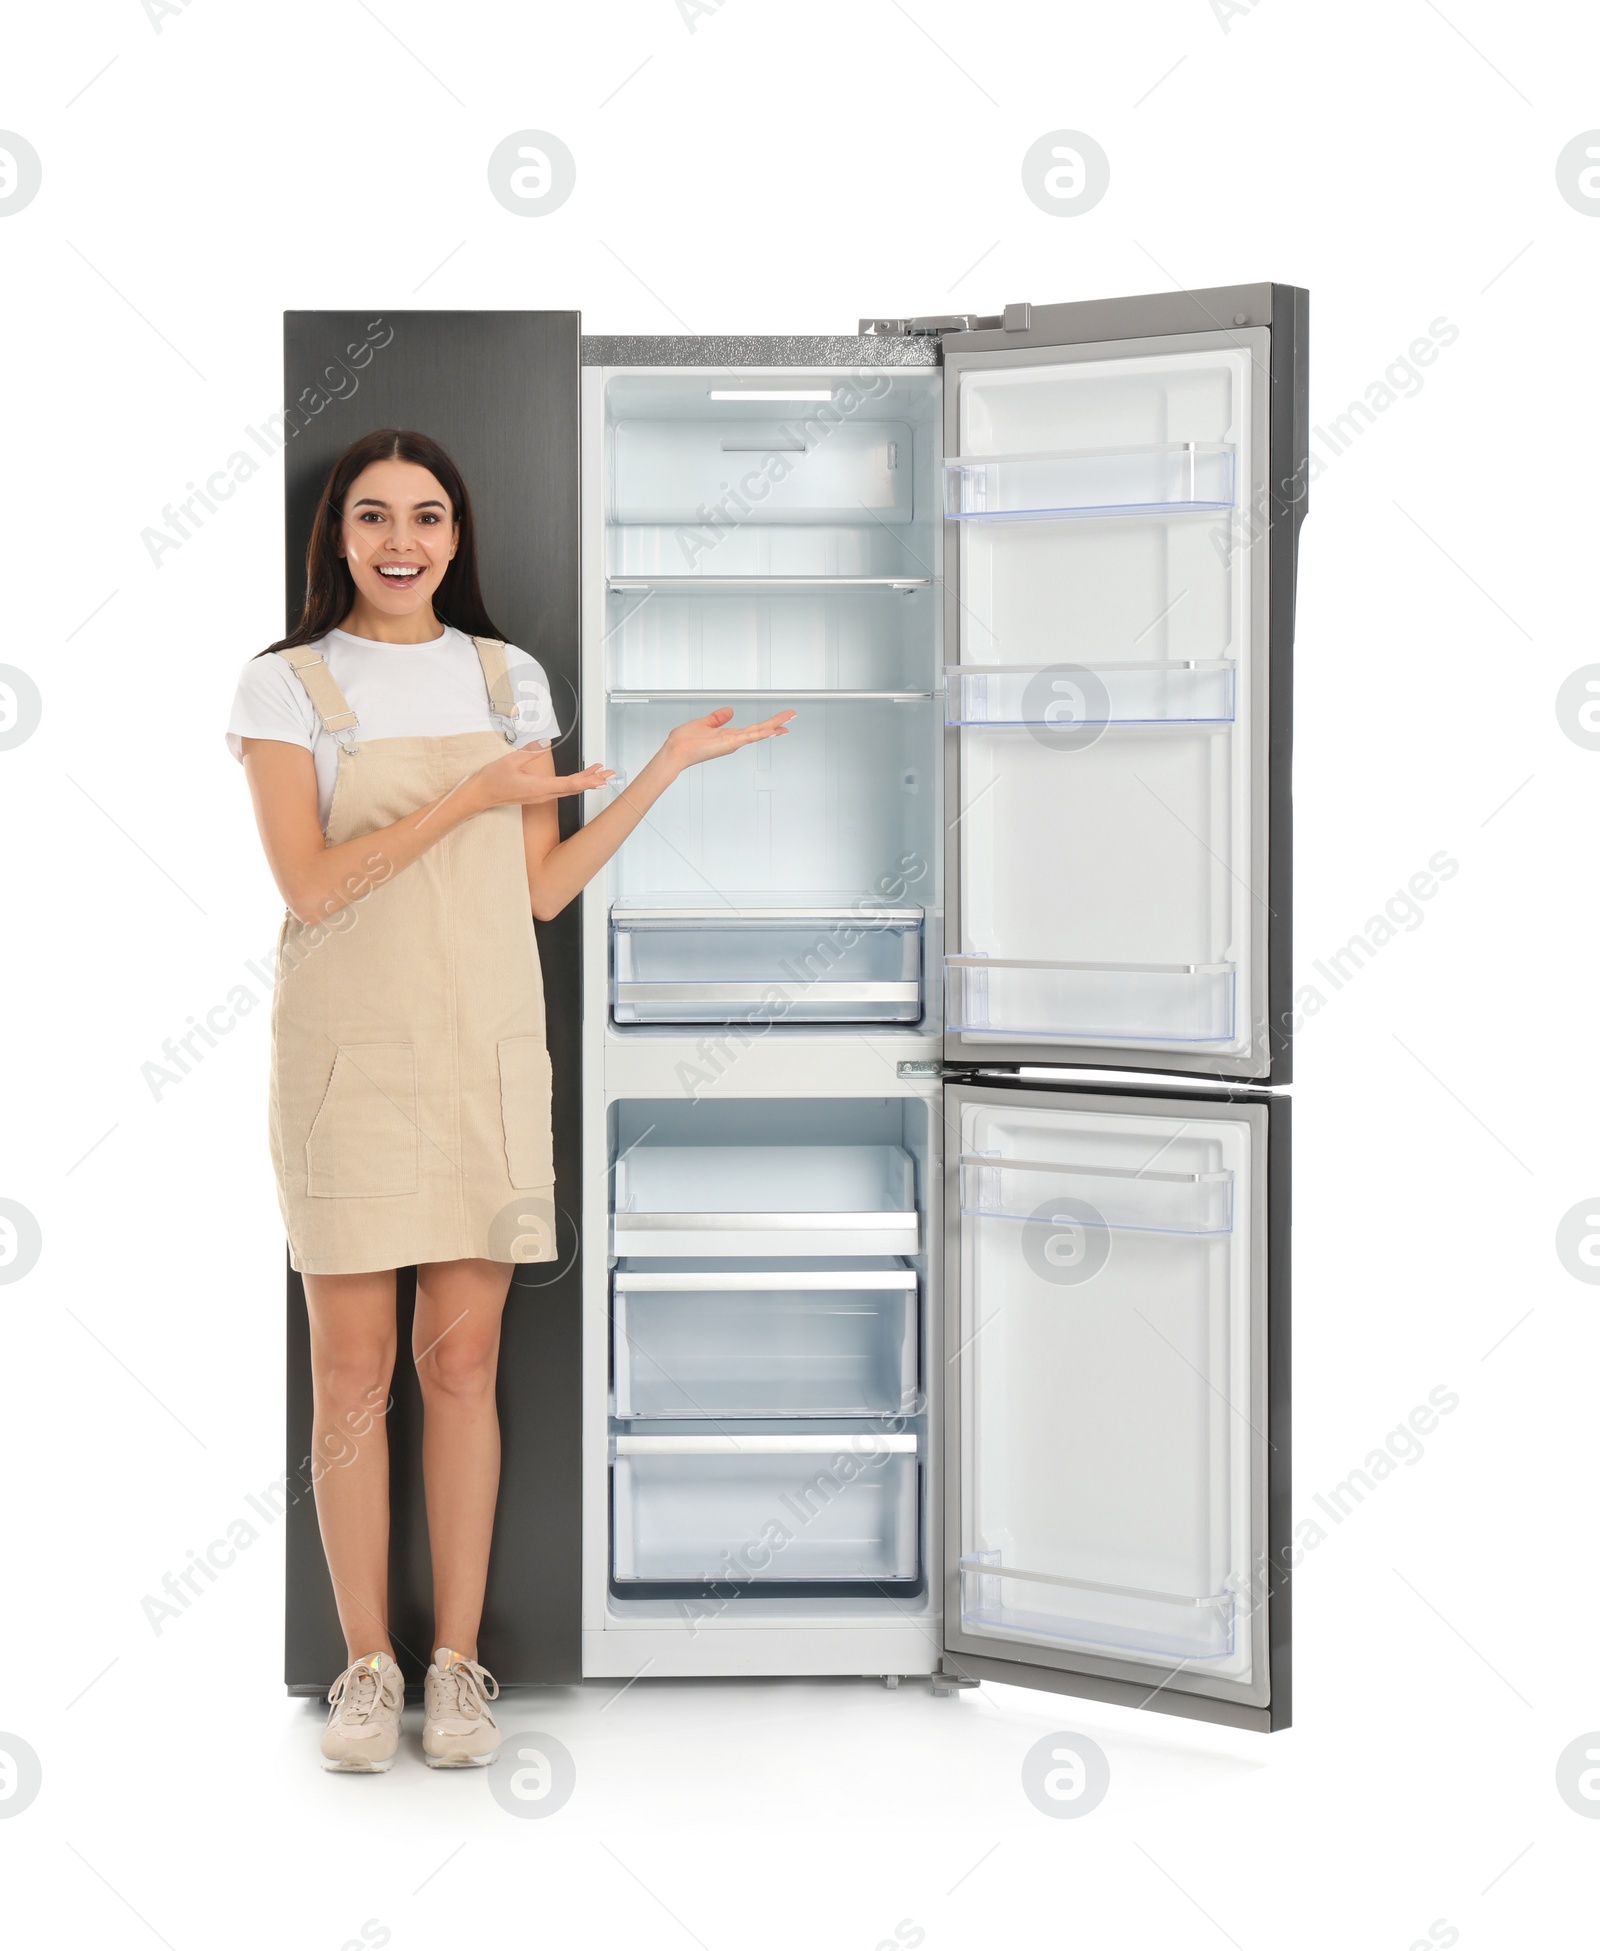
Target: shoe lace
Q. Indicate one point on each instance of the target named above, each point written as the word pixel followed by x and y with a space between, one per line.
pixel 468 1688
pixel 356 1692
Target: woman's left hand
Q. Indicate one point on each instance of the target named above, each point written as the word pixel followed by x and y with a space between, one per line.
pixel 712 736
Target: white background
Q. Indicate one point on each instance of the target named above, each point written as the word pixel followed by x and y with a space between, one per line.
pixel 778 168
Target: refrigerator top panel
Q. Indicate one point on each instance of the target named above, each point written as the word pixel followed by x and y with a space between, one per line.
pixel 687 349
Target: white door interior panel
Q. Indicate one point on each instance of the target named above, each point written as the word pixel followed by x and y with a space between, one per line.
pixel 1106 761
pixel 1107 1307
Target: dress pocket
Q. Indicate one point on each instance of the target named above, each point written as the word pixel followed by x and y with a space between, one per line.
pixel 525 1110
pixel 363 1140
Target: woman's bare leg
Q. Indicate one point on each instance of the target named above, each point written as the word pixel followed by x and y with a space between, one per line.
pixel 456 1341
pixel 352 1363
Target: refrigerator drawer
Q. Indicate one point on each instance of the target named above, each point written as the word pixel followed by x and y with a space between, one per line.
pixel 832 470
pixel 764 1201
pixel 1177 477
pixel 791 1509
pixel 817 965
pixel 831 1338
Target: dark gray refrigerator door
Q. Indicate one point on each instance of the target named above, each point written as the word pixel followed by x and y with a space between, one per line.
pixel 499 391
pixel 1124 485
pixel 1116 1396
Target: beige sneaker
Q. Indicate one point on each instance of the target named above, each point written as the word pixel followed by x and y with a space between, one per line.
pixel 458 1731
pixel 363 1728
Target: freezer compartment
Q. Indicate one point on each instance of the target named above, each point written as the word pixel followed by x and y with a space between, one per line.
pixel 1065 1196
pixel 765 632
pixel 1148 1003
pixel 1178 477
pixel 835 474
pixel 1064 700
pixel 810 465
pixel 791 1338
pixel 790 966
pixel 840 811
pixel 724 1178
pixel 790 1509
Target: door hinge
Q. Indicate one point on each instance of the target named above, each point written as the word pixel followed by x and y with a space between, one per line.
pixel 932 1067
pixel 929 326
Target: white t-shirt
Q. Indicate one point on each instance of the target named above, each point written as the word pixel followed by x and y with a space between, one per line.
pixel 428 690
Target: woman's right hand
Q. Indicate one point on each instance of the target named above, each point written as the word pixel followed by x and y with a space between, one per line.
pixel 528 776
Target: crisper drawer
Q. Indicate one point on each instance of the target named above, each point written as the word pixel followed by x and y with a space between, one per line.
pixel 794 1508
pixel 797 965
pixel 802 470
pixel 796 1338
pixel 764 1201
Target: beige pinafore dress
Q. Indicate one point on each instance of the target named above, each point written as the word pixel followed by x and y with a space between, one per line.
pixel 410 1098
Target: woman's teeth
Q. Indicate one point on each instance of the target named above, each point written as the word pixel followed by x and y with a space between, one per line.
pixel 400 575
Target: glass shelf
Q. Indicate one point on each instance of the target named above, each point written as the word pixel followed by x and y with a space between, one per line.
pixel 1059 698
pixel 1122 1002
pixel 764 1201
pixel 655 695
pixel 759 585
pixel 776 965
pixel 1118 1199
pixel 836 1338
pixel 1166 477
pixel 734 1509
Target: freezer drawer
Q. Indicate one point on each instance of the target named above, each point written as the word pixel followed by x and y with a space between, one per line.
pixel 774 966
pixel 835 1505
pixel 764 1201
pixel 825 1338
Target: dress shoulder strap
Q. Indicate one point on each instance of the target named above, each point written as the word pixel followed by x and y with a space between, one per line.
pixel 326 697
pixel 492 657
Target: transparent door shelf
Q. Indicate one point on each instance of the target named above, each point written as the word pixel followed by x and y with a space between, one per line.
pixel 1059 699
pixel 738 1509
pixel 1057 1194
pixel 1067 1002
pixel 759 585
pixel 1168 477
pixel 764 1201
pixel 778 965
pixel 831 1339
pixel 1053 1610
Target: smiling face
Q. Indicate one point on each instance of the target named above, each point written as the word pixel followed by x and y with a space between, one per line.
pixel 398 536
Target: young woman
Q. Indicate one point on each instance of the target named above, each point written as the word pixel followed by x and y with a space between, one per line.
pixel 398 756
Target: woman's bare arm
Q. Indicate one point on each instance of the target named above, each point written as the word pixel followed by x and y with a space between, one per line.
pixel 560 869
pixel 317 880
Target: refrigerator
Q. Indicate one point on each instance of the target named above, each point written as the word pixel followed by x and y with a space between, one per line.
pixel 923 1072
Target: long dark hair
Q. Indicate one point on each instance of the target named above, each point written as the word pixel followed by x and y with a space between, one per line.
pixel 330 590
